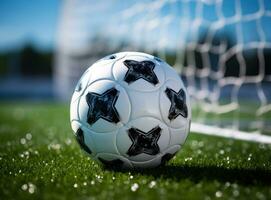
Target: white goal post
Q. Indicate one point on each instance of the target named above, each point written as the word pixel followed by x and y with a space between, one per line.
pixel 221 48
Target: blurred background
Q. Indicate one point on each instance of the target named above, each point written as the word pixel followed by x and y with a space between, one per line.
pixel 221 48
pixel 28 42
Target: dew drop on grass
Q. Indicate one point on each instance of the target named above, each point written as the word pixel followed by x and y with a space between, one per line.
pixel 131 177
pixel 259 195
pixel 85 183
pixel 201 144
pixel 194 144
pixel 227 184
pixel 75 185
pixel 207 198
pixel 28 136
pixel 68 141
pixel 23 141
pixel 134 187
pixel 31 188
pixel 249 157
pixel 152 184
pixel 188 159
pixel 218 194
pixel 92 182
pixel 55 147
pixel 24 187
pixel 235 193
pixel 221 151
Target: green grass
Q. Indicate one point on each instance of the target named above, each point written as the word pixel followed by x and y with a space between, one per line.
pixel 39 159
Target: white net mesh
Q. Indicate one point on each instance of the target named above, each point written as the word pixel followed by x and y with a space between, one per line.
pixel 222 48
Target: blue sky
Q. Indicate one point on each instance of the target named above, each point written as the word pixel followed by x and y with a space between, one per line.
pixel 28 21
pixel 36 21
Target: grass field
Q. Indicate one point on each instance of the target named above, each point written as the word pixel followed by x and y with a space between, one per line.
pixel 39 159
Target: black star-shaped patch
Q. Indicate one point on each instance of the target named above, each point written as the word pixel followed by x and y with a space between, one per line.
pixel 102 106
pixel 137 70
pixel 144 142
pixel 81 141
pixel 178 103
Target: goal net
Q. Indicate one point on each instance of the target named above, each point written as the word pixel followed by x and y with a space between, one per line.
pixel 221 48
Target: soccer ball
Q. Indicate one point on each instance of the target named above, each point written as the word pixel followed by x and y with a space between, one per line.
pixel 130 110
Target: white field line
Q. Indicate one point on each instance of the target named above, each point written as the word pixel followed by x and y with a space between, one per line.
pixel 230 133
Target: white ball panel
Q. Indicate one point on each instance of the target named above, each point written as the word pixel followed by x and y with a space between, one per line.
pixel 104 142
pixel 103 68
pixel 74 110
pixel 119 71
pixel 144 124
pixel 172 74
pixel 103 126
pixel 123 141
pixel 83 110
pixel 122 106
pixel 144 104
pixel 173 149
pixel 178 136
pixel 99 71
pixel 165 104
pixel 89 140
pixel 75 125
